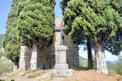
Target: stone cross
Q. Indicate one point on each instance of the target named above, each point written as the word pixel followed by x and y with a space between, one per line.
pixel 62 36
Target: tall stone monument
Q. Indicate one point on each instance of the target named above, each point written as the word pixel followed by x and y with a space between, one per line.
pixel 61 66
pixel 62 48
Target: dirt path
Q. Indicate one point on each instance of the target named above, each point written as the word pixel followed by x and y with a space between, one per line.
pixel 90 76
pixel 78 76
pixel 19 77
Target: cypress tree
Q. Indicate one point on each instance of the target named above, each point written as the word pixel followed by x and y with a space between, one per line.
pixel 11 45
pixel 64 4
pixel 114 44
pixel 94 19
pixel 36 24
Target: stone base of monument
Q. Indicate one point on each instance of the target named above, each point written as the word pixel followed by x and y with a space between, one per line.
pixel 62 72
pixel 61 66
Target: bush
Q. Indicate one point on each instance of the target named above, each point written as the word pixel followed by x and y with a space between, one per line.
pixel 5 65
pixel 119 68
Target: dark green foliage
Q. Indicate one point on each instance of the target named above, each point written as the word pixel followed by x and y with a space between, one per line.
pixel 88 18
pixel 114 44
pixel 2 80
pixel 64 4
pixel 11 44
pixel 1 40
pixel 36 22
pixel 97 20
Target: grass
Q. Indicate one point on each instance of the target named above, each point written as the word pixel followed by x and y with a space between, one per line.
pixel 46 79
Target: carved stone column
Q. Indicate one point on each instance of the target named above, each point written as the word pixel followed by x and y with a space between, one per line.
pixel 61 67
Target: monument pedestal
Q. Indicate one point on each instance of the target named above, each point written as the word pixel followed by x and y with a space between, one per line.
pixel 61 67
pixel 62 72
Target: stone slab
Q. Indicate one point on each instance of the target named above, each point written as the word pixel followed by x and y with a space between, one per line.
pixel 61 66
pixel 62 73
pixel 61 47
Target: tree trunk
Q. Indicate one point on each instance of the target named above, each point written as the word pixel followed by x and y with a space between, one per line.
pixel 90 61
pixel 34 57
pixel 100 58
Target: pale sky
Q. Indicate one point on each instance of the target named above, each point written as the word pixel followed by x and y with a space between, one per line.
pixel 5 6
pixel 108 55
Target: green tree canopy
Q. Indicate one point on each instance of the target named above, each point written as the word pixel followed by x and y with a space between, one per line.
pixel 36 22
pixel 114 44
pixel 11 45
pixel 1 40
pixel 94 19
pixel 89 18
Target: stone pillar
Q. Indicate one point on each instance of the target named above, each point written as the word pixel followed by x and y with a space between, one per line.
pixel 25 55
pixel 61 67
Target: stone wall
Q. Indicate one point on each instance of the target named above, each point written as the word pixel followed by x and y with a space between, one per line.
pixel 72 53
pixel 46 58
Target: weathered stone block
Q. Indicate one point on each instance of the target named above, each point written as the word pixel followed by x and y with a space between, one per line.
pixel 25 56
pixel 62 72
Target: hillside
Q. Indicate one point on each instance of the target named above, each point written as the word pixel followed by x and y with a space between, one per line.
pixel 1 39
pixel 83 62
pixel 5 64
pixel 112 66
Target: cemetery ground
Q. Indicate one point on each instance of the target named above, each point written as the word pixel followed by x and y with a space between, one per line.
pixel 79 75
pixel 46 75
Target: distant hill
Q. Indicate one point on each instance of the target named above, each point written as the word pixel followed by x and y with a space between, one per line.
pixel 112 66
pixel 114 62
pixel 1 40
pixel 83 61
